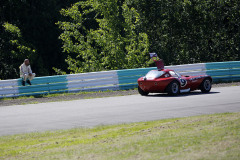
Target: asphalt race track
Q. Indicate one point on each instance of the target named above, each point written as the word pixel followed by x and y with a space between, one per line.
pixel 124 109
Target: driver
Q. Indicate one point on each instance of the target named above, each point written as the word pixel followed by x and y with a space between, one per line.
pixel 159 62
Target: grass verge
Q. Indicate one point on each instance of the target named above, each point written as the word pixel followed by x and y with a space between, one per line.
pixel 57 95
pixel 64 97
pixel 202 137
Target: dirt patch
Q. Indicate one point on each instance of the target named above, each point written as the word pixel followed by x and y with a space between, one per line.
pixel 77 96
pixel 226 84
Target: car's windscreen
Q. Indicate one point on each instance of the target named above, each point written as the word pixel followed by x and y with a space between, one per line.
pixel 154 74
pixel 174 74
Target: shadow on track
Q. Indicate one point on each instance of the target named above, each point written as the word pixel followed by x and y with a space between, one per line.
pixel 194 93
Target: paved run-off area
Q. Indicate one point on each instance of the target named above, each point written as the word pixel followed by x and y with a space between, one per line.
pixel 112 110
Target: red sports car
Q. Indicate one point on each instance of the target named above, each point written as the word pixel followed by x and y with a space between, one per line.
pixel 171 82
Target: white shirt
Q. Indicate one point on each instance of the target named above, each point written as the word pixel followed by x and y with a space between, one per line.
pixel 25 69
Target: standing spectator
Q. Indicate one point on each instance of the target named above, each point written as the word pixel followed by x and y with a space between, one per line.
pixel 26 72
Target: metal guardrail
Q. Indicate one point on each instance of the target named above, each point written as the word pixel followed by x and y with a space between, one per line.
pixel 113 80
pixel 57 84
pixel 224 71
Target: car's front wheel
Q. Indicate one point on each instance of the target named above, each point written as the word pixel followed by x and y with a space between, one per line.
pixel 206 85
pixel 173 88
pixel 142 92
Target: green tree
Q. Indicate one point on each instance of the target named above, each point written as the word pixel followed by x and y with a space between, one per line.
pixel 191 31
pixel 102 35
pixel 36 20
pixel 13 49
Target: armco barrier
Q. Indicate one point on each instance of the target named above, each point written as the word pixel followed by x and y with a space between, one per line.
pixel 93 81
pixel 113 80
pixel 224 71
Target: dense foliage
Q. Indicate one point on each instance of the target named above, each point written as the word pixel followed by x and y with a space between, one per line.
pixel 192 31
pixel 36 22
pixel 12 48
pixel 102 35
pixel 66 36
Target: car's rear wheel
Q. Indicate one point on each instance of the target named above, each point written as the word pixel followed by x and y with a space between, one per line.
pixel 206 85
pixel 173 88
pixel 142 92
